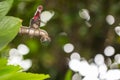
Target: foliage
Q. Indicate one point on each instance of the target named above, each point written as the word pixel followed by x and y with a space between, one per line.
pixel 68 75
pixel 9 27
pixel 5 7
pixel 9 72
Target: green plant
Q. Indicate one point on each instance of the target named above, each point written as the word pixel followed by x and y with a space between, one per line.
pixel 9 28
pixel 9 72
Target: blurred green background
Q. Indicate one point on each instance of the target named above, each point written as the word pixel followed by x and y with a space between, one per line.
pixel 66 26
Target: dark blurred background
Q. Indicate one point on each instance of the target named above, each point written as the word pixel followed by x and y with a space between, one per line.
pixel 66 26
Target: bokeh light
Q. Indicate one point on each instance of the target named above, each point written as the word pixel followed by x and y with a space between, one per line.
pixel 114 66
pixel 90 78
pixel 16 57
pixel 75 55
pixel 76 76
pixel 93 70
pixel 109 51
pixel 117 30
pixel 45 17
pixel 99 59
pixel 23 49
pixel 84 68
pixel 25 64
pixel 117 58
pixel 68 48
pixel 102 69
pixel 84 13
pixel 108 61
pixel 74 65
pixel 113 74
pixel 96 70
pixel 110 19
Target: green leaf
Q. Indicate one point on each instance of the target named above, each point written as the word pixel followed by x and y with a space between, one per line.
pixel 5 7
pixel 24 76
pixel 9 72
pixel 68 75
pixel 27 76
pixel 7 69
pixel 9 27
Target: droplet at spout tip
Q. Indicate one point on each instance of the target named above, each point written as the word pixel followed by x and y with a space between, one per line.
pixel 45 41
